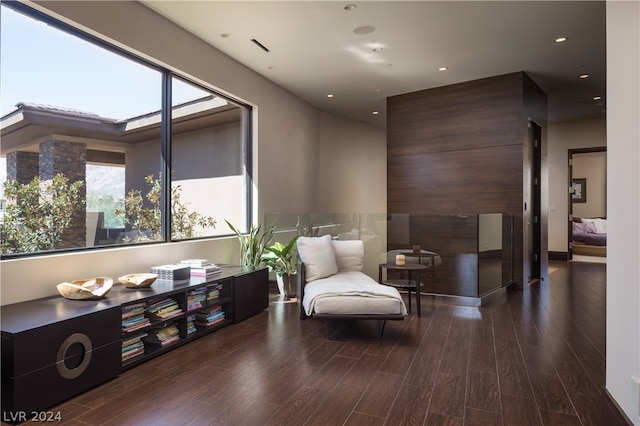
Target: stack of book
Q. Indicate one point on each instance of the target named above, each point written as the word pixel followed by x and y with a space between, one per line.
pixel 201 267
pixel 191 327
pixel 176 273
pixel 133 317
pixel 164 309
pixel 196 298
pixel 210 317
pixel 213 292
pixel 132 345
pixel 163 336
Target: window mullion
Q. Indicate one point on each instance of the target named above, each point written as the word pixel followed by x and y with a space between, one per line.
pixel 165 143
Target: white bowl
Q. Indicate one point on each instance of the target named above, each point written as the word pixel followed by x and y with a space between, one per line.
pixel 93 288
pixel 138 280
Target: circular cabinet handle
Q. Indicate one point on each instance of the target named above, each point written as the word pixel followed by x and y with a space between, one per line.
pixel 72 373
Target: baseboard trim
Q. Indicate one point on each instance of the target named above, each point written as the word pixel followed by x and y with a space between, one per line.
pixel 559 255
pixel 612 414
pixel 447 299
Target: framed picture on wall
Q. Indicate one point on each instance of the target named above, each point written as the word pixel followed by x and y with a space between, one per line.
pixel 579 190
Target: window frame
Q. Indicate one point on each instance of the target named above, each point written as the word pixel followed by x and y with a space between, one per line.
pixel 165 137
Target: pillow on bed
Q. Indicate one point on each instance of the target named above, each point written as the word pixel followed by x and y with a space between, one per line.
pixel 349 255
pixel 318 256
pixel 584 228
pixel 599 223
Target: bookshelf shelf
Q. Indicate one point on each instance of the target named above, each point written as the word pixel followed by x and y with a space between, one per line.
pixel 178 316
pixel 117 333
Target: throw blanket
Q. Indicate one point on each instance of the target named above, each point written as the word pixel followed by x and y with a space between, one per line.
pixel 346 284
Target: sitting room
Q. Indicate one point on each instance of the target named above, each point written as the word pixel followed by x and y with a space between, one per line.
pixel 138 136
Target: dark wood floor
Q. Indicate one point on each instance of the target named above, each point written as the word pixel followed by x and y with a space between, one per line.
pixel 533 357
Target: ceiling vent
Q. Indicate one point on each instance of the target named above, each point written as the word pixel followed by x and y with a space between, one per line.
pixel 260 45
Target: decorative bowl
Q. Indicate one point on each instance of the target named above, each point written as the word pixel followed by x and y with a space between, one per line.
pixel 138 280
pixel 90 289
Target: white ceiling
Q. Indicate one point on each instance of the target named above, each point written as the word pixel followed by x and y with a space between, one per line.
pixel 313 50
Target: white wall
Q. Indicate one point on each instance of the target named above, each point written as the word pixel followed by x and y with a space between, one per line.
pixel 563 137
pixel 352 165
pixel 623 224
pixel 286 137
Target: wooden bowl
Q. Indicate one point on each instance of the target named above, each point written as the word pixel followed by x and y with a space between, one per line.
pixel 90 289
pixel 138 280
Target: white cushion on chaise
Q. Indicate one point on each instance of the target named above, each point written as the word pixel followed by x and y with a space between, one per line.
pixel 348 291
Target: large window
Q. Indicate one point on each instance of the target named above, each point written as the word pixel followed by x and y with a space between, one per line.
pixel 100 148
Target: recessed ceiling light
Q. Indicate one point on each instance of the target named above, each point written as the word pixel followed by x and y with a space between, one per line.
pixel 377 49
pixel 561 39
pixel 375 113
pixel 597 98
pixel 442 69
pixel 350 6
pixel 583 76
pixel 329 96
pixel 365 29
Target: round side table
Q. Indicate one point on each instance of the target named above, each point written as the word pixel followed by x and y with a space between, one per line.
pixel 409 284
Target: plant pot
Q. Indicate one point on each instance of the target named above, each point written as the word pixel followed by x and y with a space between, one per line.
pixel 287 285
pixel 280 284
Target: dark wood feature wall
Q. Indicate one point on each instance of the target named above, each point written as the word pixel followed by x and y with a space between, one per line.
pixel 464 149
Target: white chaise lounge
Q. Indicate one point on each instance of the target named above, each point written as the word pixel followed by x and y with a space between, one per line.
pixel 332 286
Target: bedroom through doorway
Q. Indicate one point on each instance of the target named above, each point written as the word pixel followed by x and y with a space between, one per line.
pixel 587 205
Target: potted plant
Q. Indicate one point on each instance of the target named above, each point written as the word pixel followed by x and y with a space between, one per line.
pixel 253 244
pixel 280 259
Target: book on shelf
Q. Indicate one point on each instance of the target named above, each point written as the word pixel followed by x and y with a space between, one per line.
pixel 211 323
pixel 205 272
pixel 191 328
pixel 213 292
pixel 178 273
pixel 133 317
pixel 133 353
pixel 164 309
pixel 196 263
pixel 201 267
pixel 132 312
pixel 196 298
pixel 209 317
pixel 133 346
pixel 135 323
pixel 133 338
pixel 163 337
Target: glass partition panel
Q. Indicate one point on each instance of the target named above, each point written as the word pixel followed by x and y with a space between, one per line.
pixel 495 252
pixel 466 255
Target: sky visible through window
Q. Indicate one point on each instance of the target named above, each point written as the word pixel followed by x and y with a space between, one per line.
pixel 43 65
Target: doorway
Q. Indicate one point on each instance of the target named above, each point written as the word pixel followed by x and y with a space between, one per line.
pixel 532 211
pixel 587 193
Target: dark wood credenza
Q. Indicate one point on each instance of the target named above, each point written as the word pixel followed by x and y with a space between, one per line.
pixel 54 348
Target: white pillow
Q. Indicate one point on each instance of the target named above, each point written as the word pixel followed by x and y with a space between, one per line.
pixel 349 255
pixel 601 224
pixel 318 257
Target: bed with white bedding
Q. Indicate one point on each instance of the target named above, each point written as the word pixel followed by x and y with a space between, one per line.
pixel 589 236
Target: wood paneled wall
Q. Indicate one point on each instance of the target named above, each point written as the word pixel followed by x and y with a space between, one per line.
pixel 462 149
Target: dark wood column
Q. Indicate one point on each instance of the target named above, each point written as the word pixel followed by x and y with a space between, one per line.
pixel 463 149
